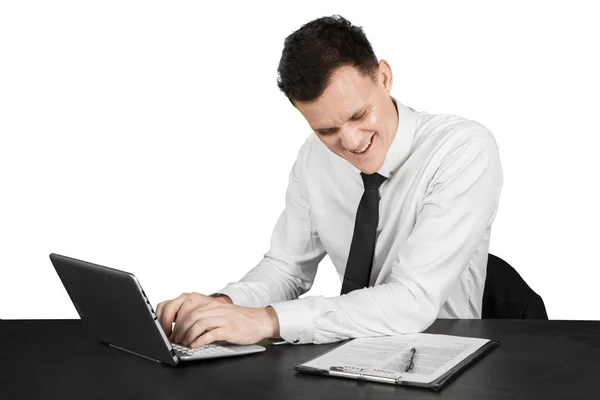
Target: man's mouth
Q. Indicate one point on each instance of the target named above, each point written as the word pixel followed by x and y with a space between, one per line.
pixel 364 149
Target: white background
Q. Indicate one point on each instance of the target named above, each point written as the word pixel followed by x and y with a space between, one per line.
pixel 152 137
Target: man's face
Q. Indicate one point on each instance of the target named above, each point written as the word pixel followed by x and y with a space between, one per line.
pixel 355 117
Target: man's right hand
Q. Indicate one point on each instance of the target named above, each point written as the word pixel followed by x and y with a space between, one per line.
pixel 177 309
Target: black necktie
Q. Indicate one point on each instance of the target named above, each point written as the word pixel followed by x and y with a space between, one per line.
pixel 360 258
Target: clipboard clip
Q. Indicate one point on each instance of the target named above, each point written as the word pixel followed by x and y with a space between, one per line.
pixel 364 373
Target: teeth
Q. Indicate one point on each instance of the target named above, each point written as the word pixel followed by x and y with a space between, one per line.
pixel 363 149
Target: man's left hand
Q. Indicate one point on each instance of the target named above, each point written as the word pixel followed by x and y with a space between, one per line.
pixel 222 321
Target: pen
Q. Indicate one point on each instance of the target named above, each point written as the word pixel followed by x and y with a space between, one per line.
pixel 368 374
pixel 410 364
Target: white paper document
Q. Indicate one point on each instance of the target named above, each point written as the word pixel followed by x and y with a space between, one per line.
pixel 388 356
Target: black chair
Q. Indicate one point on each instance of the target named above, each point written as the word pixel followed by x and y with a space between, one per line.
pixel 507 296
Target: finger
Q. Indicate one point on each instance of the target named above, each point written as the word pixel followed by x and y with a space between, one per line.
pixel 202 326
pixel 159 315
pixel 159 308
pixel 190 304
pixel 214 335
pixel 181 328
pixel 168 312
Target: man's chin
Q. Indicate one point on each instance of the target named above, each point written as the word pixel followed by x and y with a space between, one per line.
pixel 369 168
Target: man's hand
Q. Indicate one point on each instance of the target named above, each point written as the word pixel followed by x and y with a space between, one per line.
pixel 200 320
pixel 177 309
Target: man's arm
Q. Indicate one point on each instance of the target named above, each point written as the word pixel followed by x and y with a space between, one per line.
pixel 288 269
pixel 461 203
pixel 286 272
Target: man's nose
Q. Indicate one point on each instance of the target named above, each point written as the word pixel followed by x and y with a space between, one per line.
pixel 351 138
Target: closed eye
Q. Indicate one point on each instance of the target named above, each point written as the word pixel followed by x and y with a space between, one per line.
pixel 353 118
pixel 327 131
pixel 358 117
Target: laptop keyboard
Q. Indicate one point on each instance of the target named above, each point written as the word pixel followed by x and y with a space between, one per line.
pixel 209 349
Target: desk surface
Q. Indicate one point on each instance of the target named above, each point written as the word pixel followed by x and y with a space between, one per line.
pixel 57 359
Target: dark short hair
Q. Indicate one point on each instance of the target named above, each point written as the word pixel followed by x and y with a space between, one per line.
pixel 312 53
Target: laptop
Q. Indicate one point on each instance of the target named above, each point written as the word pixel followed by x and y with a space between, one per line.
pixel 115 310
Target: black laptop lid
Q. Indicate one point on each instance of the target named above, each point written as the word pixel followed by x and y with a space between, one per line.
pixel 113 307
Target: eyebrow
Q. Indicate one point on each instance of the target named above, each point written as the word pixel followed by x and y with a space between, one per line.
pixel 356 115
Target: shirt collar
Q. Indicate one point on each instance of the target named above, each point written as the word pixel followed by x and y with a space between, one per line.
pixel 400 147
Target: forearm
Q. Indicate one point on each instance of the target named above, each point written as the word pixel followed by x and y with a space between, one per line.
pixel 386 309
pixel 269 282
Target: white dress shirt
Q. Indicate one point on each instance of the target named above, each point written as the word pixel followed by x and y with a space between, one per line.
pixel 435 216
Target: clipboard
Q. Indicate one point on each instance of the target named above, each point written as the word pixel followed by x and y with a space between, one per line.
pixel 394 378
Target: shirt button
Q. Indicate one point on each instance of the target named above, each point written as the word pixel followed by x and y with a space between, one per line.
pixel 296 341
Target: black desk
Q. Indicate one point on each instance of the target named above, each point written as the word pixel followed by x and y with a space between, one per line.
pixel 58 360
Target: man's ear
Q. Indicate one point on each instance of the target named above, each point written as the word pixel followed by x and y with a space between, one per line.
pixel 384 75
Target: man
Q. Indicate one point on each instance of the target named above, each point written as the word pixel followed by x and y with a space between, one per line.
pixel 402 201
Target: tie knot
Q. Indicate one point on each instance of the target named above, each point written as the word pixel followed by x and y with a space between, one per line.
pixel 372 181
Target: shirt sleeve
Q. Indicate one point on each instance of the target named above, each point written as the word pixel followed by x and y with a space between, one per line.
pixel 459 205
pixel 288 269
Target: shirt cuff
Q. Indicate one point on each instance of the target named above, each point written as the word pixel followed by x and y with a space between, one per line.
pixel 295 321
